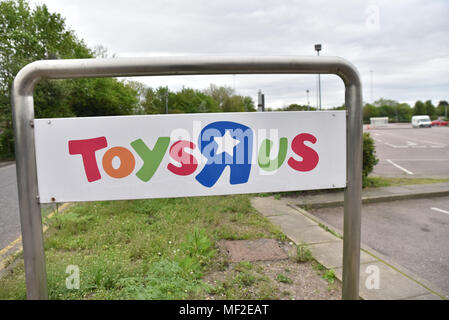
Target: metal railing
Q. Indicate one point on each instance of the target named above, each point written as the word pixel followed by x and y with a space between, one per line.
pixel 23 116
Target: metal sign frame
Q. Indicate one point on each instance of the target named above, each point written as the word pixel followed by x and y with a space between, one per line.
pixel 23 117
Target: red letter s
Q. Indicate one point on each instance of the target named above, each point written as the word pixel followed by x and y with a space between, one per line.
pixel 309 156
pixel 188 161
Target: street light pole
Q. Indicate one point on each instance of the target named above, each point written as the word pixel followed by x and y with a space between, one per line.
pixel 166 100
pixel 318 49
pixel 308 101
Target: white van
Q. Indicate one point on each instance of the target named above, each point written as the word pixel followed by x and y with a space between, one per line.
pixel 421 122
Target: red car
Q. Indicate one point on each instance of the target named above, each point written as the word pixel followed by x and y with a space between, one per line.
pixel 440 123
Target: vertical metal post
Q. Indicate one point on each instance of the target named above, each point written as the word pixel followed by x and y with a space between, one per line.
pixel 30 213
pixel 259 102
pixel 353 193
pixel 308 102
pixel 166 100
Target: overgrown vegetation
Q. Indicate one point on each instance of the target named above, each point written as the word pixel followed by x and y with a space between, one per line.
pixel 376 182
pixel 369 155
pixel 303 253
pixel 144 249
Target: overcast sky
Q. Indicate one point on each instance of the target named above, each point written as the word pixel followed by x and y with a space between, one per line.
pixel 404 42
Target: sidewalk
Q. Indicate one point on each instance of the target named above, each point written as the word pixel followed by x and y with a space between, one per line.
pixel 336 199
pixel 396 283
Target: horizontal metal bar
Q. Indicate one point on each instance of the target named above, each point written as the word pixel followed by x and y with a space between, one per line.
pixel 127 67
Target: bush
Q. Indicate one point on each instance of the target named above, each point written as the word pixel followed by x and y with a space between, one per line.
pixel 369 155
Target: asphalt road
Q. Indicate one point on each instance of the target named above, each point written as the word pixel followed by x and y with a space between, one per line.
pixel 9 207
pixel 412 233
pixel 409 152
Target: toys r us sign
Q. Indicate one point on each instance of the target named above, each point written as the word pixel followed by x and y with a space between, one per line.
pixel 154 156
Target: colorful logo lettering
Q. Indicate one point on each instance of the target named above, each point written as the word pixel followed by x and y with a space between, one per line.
pixel 222 144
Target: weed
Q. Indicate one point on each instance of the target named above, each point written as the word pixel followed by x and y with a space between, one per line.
pixel 283 278
pixel 329 276
pixel 303 253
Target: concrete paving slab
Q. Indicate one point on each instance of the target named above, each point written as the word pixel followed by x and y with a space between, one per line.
pixel 309 235
pixel 269 206
pixel 291 222
pixel 429 296
pixel 330 254
pixel 393 285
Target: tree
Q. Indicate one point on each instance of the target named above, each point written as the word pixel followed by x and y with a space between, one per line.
pixel 28 35
pixel 369 111
pixel 297 107
pixel 430 108
pixel 228 101
pixel 102 97
pixel 404 112
pixel 419 108
pixel 442 109
pixel 369 155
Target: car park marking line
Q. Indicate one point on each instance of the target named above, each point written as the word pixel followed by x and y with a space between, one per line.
pixel 395 146
pixel 399 167
pixel 439 210
pixel 439 144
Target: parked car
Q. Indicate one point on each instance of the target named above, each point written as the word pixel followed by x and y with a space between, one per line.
pixel 421 122
pixel 440 123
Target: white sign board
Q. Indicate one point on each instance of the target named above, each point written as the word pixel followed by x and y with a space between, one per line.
pixel 156 156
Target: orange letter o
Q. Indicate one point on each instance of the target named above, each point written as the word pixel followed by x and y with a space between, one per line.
pixel 127 162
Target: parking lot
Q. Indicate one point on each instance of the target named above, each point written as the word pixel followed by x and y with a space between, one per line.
pixel 412 233
pixel 404 151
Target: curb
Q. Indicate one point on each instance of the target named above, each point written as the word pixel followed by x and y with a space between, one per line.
pixel 405 272
pixel 326 245
pixel 11 251
pixel 375 199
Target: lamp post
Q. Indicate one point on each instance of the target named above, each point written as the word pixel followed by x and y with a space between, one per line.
pixel 318 49
pixel 166 100
pixel 308 101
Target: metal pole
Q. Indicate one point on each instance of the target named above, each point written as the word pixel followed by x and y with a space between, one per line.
pixel 166 100
pixel 263 102
pixel 353 192
pixel 30 211
pixel 319 91
pixel 372 94
pixel 259 101
pixel 308 102
pixel 23 116
pixel 318 49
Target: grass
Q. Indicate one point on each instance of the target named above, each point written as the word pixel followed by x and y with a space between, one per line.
pixel 146 249
pixel 376 182
pixel 246 281
pixel 303 253
pixel 283 278
pixel 368 182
